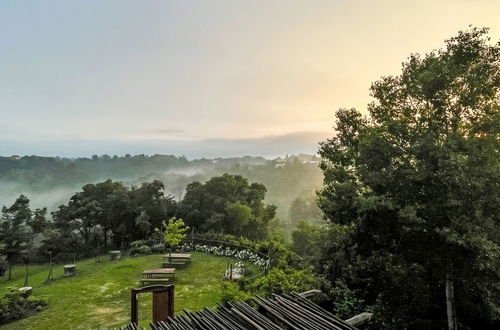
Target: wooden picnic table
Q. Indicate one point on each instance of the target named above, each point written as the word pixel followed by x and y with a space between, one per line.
pixel 178 256
pixel 149 273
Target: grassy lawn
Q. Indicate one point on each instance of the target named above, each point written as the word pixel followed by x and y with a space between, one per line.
pixel 99 295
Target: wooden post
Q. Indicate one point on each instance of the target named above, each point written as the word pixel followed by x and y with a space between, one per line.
pixel 51 265
pixel 27 276
pixel 450 303
pixel 27 264
pixel 170 305
pixel 163 302
pixel 160 305
pixel 134 317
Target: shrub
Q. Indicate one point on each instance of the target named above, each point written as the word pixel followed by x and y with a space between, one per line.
pixel 14 306
pixel 139 247
pixel 283 280
pixel 231 293
pixel 158 248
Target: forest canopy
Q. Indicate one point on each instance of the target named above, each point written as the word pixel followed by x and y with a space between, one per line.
pixel 416 183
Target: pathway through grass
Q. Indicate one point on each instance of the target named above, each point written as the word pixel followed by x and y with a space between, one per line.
pixel 99 296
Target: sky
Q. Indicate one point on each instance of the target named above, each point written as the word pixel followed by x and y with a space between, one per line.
pixel 203 78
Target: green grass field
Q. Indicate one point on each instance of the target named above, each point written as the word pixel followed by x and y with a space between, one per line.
pixel 99 295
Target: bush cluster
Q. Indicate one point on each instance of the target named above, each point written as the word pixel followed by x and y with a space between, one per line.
pixel 14 306
pixel 146 247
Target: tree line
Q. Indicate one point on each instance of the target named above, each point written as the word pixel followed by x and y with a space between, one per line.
pixel 109 215
pixel 50 181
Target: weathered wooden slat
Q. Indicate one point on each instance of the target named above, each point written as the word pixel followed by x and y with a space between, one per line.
pixel 281 312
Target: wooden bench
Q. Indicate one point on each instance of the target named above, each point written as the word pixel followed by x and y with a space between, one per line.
pixel 184 257
pixel 154 280
pixel 174 264
pixel 155 273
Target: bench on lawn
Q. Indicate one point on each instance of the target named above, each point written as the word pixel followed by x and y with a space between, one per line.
pixel 151 273
pixel 154 280
pixel 186 257
pixel 175 264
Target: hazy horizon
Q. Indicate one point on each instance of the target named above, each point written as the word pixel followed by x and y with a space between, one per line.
pixel 267 147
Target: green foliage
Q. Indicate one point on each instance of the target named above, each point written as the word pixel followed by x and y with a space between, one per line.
pixel 228 203
pixel 174 231
pixel 345 303
pixel 144 249
pixel 416 184
pixel 143 222
pixel 239 215
pixel 232 293
pixel 108 212
pixel 282 280
pixel 306 239
pixel 139 247
pixel 14 233
pixel 287 272
pixel 14 306
pixel 304 208
pixel 38 222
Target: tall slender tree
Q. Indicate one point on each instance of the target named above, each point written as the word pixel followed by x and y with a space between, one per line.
pixel 13 232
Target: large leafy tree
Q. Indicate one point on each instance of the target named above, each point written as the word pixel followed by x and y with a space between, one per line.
pixel 227 203
pixel 109 211
pixel 417 183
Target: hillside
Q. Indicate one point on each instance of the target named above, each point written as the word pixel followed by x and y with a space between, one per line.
pixel 50 181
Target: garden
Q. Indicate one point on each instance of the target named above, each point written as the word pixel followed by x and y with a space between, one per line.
pixel 99 294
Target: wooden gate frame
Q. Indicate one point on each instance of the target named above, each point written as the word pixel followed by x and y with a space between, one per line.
pixel 163 302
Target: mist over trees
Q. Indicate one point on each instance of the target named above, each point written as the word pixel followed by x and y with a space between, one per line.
pixel 51 181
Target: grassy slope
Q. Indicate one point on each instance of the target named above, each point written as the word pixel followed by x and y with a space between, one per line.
pixel 99 296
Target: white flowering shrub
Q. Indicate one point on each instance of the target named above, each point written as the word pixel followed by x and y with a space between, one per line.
pixel 238 270
pixel 237 253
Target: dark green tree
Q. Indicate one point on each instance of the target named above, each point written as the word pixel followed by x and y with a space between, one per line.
pixel 150 197
pixel 38 222
pixel 142 221
pixel 304 208
pixel 417 183
pixel 227 203
pixel 13 231
pixel 307 241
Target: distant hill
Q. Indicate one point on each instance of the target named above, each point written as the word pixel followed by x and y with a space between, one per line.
pixel 50 181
